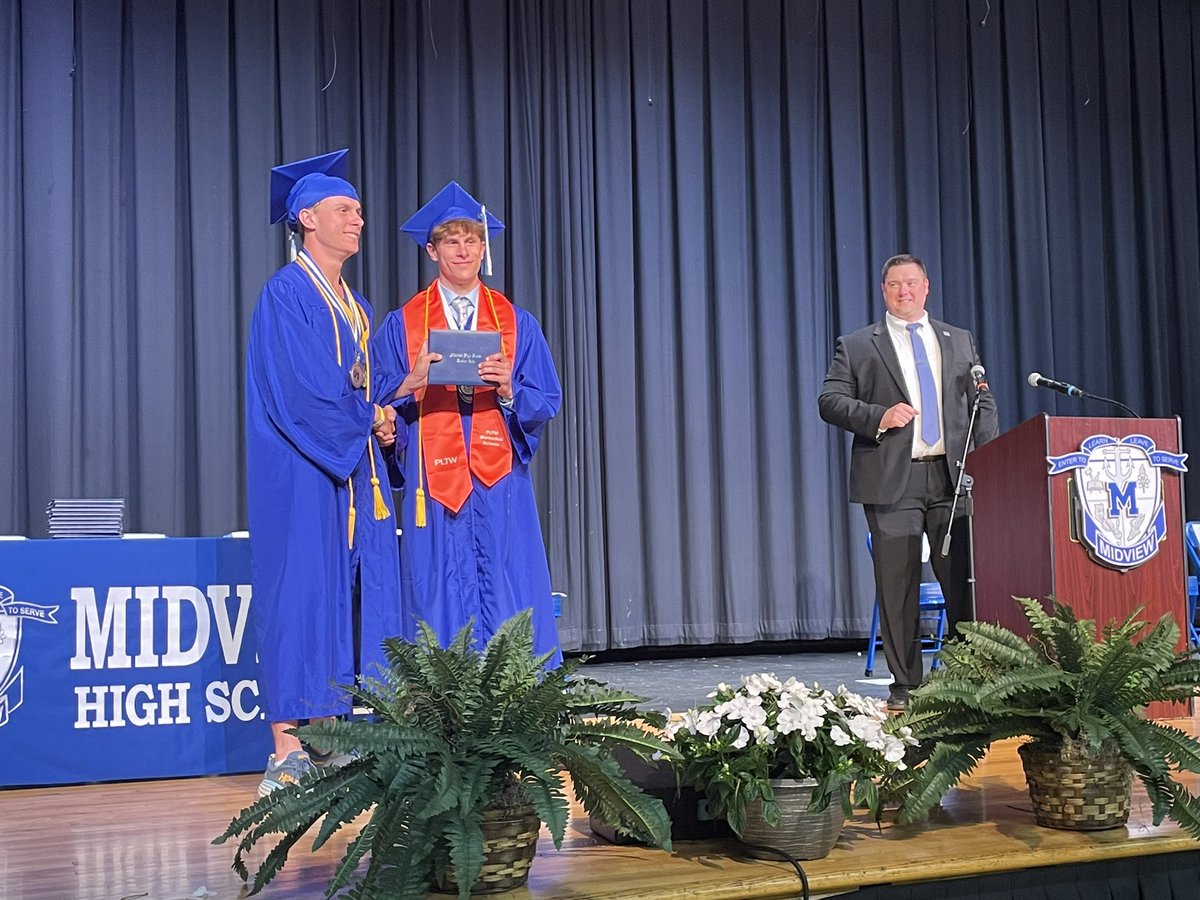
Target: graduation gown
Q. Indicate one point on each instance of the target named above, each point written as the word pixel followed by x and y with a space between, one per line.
pixel 488 560
pixel 308 432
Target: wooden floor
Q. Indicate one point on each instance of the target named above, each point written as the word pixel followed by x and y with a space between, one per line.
pixel 152 840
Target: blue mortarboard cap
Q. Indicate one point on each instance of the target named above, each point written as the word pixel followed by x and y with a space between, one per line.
pixel 451 202
pixel 298 185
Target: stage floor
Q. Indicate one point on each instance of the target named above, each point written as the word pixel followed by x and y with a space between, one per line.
pixel 152 840
pixel 678 684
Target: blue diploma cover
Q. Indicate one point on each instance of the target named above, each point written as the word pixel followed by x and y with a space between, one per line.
pixel 462 352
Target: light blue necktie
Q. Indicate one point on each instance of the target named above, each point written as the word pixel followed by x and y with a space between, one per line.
pixel 463 310
pixel 929 410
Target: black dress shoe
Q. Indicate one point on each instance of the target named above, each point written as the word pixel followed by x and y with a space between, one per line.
pixel 897 700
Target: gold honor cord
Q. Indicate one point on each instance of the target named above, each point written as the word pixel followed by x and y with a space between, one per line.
pixel 360 326
pixel 420 496
pixel 350 311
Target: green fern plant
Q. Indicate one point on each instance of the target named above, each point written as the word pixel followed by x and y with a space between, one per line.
pixel 454 732
pixel 1066 687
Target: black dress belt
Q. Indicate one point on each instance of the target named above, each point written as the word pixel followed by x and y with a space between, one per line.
pixel 929 459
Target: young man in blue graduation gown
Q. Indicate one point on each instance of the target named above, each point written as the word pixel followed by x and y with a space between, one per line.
pixel 472 544
pixel 324 563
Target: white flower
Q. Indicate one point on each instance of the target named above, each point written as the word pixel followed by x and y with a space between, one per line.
pixel 867 706
pixel 806 718
pixel 708 723
pixel 748 709
pixel 742 739
pixel 722 688
pixel 788 720
pixel 865 728
pixel 686 722
pixel 764 735
pixel 839 737
pixel 793 693
pixel 761 683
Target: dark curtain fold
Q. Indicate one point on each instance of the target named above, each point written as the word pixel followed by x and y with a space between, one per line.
pixel 698 198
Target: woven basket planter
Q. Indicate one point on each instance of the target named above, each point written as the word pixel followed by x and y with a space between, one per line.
pixel 803 834
pixel 1077 794
pixel 509 844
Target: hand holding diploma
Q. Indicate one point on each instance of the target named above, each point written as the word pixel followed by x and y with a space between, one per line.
pixel 418 378
pixel 496 369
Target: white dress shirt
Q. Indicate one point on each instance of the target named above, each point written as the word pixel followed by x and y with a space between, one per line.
pixel 898 331
pixel 451 314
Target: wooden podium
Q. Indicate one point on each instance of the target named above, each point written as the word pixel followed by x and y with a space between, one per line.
pixel 1027 534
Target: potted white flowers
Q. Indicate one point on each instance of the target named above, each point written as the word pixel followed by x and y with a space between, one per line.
pixel 770 756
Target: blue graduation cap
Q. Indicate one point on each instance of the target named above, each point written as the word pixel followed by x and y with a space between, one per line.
pixel 452 202
pixel 298 185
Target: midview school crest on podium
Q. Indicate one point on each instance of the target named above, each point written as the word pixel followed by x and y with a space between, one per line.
pixel 1118 496
pixel 12 677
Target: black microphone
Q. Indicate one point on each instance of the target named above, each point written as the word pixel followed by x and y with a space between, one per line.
pixel 1036 379
pixel 977 373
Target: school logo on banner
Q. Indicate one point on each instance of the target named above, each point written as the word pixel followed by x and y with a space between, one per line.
pixel 1121 516
pixel 13 613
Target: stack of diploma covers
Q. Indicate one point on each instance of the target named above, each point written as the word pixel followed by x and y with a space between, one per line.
pixel 86 518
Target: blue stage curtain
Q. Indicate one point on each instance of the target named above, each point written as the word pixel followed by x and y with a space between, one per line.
pixel 698 197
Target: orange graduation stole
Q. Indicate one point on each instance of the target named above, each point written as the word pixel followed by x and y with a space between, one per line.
pixel 444 461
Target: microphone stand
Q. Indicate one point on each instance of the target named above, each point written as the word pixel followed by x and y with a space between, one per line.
pixel 1110 400
pixel 962 488
pixel 1036 379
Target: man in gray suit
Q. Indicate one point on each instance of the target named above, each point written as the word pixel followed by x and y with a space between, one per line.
pixel 903 387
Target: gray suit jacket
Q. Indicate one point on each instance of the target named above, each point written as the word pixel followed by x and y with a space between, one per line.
pixel 865 379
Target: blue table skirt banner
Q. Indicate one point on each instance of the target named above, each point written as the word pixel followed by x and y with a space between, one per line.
pixel 127 659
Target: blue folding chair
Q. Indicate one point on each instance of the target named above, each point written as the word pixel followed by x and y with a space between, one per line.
pixel 932 613
pixel 1191 540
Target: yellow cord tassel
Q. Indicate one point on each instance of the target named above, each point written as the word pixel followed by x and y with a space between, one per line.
pixel 420 507
pixel 381 510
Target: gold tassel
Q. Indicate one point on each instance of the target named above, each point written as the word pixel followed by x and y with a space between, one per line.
pixel 420 507
pixel 381 510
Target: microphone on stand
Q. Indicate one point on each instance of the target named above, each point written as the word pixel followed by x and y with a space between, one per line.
pixel 977 373
pixel 964 481
pixel 1036 379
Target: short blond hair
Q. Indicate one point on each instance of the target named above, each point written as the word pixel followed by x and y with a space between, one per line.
pixel 443 230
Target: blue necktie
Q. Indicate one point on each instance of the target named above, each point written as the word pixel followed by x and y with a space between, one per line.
pixel 929 410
